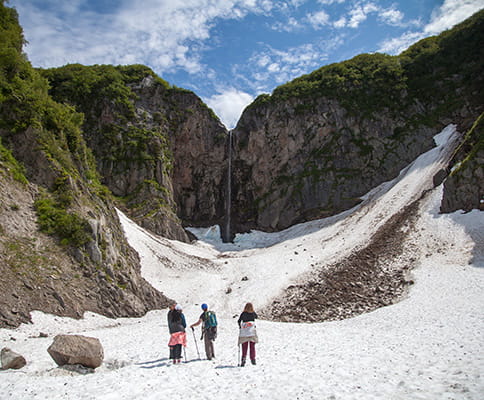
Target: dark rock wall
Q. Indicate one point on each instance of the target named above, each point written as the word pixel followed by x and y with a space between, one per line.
pixel 293 166
pixel 464 187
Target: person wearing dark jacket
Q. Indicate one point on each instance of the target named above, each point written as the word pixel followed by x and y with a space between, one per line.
pixel 176 326
pixel 209 333
pixel 247 332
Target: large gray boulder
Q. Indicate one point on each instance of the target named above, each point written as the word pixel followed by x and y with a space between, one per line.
pixel 11 359
pixel 76 349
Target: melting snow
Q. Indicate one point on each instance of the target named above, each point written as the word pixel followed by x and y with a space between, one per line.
pixel 428 346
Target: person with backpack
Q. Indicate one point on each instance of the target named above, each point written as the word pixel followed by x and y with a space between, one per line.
pixel 178 337
pixel 247 333
pixel 209 329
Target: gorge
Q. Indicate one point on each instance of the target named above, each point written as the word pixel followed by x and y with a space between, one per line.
pixel 79 141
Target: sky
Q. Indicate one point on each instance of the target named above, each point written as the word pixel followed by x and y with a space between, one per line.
pixel 228 51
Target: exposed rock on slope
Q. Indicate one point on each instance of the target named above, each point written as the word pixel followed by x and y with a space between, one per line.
pixel 38 273
pixel 62 249
pixel 159 149
pixel 464 188
pixel 293 166
pixel 367 279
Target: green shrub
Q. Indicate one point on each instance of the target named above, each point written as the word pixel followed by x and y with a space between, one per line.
pixel 54 220
pixel 16 169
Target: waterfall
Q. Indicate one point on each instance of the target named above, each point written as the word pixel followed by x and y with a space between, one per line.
pixel 228 236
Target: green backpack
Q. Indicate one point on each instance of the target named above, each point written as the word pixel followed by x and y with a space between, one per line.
pixel 210 319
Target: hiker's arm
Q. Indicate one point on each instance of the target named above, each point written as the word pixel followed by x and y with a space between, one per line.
pixel 196 323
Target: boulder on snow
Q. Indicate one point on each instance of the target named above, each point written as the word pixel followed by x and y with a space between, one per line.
pixel 11 360
pixel 77 349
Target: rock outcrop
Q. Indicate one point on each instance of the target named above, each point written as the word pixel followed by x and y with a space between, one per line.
pixel 464 187
pixel 62 247
pixel 292 166
pixel 159 149
pixel 197 141
pixel 320 142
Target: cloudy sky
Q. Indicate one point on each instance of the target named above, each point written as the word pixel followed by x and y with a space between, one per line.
pixel 228 51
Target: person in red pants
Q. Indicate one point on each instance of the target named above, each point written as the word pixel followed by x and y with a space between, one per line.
pixel 247 333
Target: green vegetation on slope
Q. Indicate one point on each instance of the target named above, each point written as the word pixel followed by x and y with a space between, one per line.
pixel 473 144
pixel 81 85
pixel 431 69
pixel 26 105
pixel 96 88
pixel 8 160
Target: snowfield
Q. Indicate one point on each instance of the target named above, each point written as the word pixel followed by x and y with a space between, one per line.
pixel 427 346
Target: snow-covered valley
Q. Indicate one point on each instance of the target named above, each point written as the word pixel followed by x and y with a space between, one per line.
pixel 426 346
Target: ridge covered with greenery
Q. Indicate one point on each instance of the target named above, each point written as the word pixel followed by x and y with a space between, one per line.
pixel 25 104
pixel 62 249
pixel 353 125
pixel 431 68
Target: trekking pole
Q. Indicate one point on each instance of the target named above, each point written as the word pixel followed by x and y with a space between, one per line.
pixel 238 357
pixel 196 345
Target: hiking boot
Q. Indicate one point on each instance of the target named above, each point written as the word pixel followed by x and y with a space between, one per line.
pixel 253 361
pixel 242 363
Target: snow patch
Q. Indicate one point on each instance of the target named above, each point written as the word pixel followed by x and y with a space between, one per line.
pixel 428 346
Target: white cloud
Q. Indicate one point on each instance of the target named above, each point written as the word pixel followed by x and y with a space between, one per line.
pixel 391 16
pixel 318 19
pixel 164 34
pixel 291 25
pixel 451 13
pixel 341 23
pixel 360 13
pixel 444 17
pixel 229 104
pixel 398 44
pixel 329 2
pixel 272 67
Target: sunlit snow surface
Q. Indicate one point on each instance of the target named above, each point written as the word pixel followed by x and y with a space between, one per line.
pixel 428 346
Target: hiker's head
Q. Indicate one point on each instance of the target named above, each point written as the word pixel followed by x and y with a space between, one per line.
pixel 172 305
pixel 204 307
pixel 249 307
pixel 178 307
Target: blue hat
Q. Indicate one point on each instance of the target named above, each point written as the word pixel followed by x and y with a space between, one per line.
pixel 204 306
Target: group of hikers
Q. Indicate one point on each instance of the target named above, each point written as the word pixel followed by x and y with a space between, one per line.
pixel 178 338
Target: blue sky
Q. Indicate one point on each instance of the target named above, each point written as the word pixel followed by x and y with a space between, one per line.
pixel 228 51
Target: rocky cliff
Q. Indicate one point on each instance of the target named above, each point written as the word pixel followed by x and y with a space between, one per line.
pixel 464 187
pixel 318 143
pixel 158 148
pixel 62 248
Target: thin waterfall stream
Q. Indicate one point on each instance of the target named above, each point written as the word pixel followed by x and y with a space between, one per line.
pixel 228 236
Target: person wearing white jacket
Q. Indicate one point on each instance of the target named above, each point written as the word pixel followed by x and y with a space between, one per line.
pixel 248 333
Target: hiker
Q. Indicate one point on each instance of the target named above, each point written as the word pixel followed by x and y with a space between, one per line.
pixel 178 337
pixel 209 329
pixel 247 333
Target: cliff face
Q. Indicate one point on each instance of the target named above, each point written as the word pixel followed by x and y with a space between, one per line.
pixel 318 143
pixel 464 187
pixel 197 142
pixel 159 149
pixel 39 272
pixel 293 165
pixel 62 248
